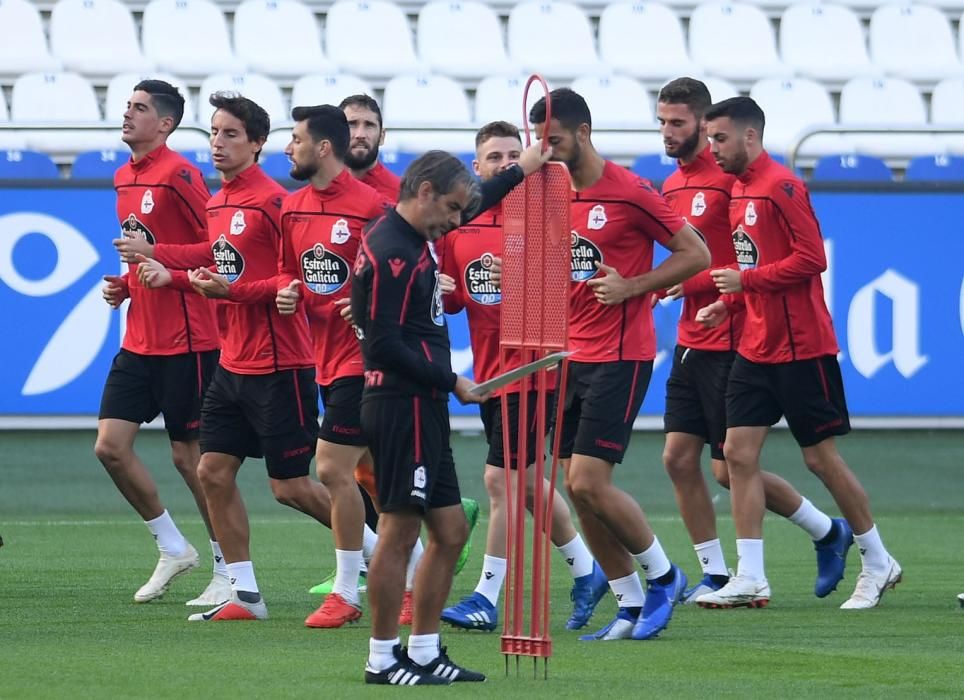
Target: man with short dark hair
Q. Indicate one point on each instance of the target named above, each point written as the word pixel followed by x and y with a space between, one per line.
pixel 170 343
pixel 616 217
pixel 396 305
pixel 786 363
pixel 696 390
pixel 467 256
pixel 367 135
pixel 262 400
pixel 321 228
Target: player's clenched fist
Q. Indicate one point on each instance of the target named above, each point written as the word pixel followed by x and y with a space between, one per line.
pixel 151 273
pixel 115 291
pixel 287 299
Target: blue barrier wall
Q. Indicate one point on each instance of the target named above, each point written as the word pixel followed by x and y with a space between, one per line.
pixel 895 286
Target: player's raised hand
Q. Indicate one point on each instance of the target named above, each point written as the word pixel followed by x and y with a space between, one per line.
pixel 287 299
pixel 130 245
pixel 495 271
pixel 463 391
pixel 532 158
pixel 712 315
pixel 610 287
pixel 115 291
pixel 209 284
pixel 345 309
pixel 446 284
pixel 151 273
pixel 727 280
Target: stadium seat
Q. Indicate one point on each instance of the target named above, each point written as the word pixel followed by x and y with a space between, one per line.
pixel 201 159
pixel 824 42
pixel 942 167
pixel 256 87
pixel 370 38
pixel 852 168
pixel 97 165
pixel 735 41
pixel 500 98
pixel 913 42
pixel 121 86
pixel 24 46
pixel 276 165
pixel 279 38
pixel 446 28
pixel 654 167
pixel 188 38
pixel 947 109
pixel 431 101
pixel 791 105
pixel 618 102
pixel 96 38
pixel 554 39
pixel 397 161
pixel 644 40
pixel 60 99
pixel 719 88
pixel 23 165
pixel 327 89
pixel 883 103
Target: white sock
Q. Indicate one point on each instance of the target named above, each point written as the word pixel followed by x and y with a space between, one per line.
pixel 493 575
pixel 628 591
pixel 873 554
pixel 347 566
pixel 220 568
pixel 241 575
pixel 169 538
pixel 369 540
pixel 653 561
pixel 577 556
pixel 417 551
pixel 710 554
pixel 423 649
pixel 750 559
pixel 812 520
pixel 381 653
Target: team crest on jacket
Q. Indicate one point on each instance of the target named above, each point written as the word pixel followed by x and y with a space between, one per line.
pixel 133 227
pixel 698 205
pixel 228 259
pixel 324 272
pixel 438 311
pixel 747 254
pixel 147 202
pixel 237 223
pixel 597 218
pixel 749 216
pixel 340 232
pixel 585 255
pixel 478 281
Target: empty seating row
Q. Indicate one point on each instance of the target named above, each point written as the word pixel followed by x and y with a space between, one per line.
pixel 421 110
pixel 464 39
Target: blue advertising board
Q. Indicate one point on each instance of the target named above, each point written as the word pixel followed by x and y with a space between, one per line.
pixel 895 287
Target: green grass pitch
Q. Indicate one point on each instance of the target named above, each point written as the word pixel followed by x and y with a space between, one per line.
pixel 75 552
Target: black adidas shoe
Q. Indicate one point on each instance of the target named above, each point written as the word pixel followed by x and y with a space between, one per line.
pixel 403 672
pixel 444 667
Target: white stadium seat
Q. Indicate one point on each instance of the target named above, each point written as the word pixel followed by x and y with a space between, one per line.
pixel 279 38
pixel 432 101
pixel 447 29
pixel 121 85
pixel 24 47
pixel 913 42
pixel 719 88
pixel 255 87
pixel 9 140
pixel 791 105
pixel 188 38
pixel 499 98
pixel 554 39
pixel 96 37
pixel 370 38
pixel 734 41
pixel 327 89
pixel 947 109
pixel 824 42
pixel 644 40
pixel 885 102
pixel 618 102
pixel 60 99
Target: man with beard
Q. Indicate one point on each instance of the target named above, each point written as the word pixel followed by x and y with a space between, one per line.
pixel 786 363
pixel 696 390
pixel 321 228
pixel 616 217
pixel 170 343
pixel 367 135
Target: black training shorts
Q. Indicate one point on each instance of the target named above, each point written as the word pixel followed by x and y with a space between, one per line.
pixel 696 395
